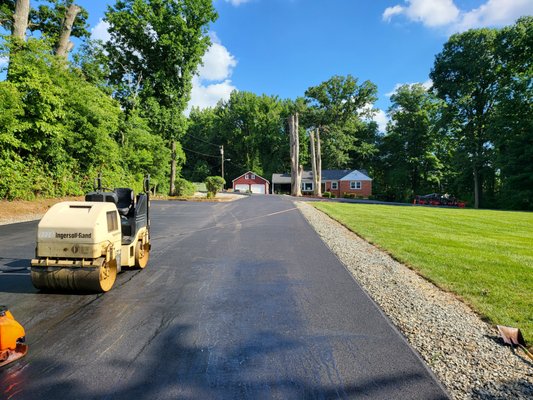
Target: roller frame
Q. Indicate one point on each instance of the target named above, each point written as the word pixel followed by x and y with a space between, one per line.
pixel 60 262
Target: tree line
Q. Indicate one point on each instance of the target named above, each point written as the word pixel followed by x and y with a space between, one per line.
pixel 118 108
pixel 469 135
pixel 114 108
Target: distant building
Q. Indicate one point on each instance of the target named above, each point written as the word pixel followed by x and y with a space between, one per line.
pixel 252 183
pixel 338 182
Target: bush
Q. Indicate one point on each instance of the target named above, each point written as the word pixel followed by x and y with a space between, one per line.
pixel 214 184
pixel 327 195
pixel 184 187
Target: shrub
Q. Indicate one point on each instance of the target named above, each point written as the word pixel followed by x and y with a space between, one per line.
pixel 184 187
pixel 326 194
pixel 214 184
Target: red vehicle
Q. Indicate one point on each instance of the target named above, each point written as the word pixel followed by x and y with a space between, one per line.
pixel 435 199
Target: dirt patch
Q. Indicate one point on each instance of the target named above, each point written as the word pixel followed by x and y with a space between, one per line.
pixel 20 210
pixel 202 197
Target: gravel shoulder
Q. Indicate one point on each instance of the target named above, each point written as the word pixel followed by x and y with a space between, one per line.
pixel 462 350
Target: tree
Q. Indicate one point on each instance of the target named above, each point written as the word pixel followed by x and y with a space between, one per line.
pixel 143 151
pixel 20 19
pixel 202 143
pixel 64 127
pixel 252 129
pixel 409 156
pixel 465 76
pixel 59 22
pixel 334 103
pixel 214 184
pixel 511 129
pixel 296 168
pixel 155 49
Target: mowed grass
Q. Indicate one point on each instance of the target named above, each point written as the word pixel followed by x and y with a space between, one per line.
pixel 485 257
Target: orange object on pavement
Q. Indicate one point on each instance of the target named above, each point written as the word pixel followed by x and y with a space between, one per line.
pixel 12 338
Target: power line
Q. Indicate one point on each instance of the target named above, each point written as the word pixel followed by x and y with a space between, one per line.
pixel 202 140
pixel 239 165
pixel 197 152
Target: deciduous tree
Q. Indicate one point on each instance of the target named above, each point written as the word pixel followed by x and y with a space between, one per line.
pixel 335 103
pixel 409 157
pixel 465 76
pixel 155 49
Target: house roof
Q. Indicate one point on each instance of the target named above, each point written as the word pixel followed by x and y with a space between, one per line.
pixel 327 175
pixel 252 172
pixel 356 175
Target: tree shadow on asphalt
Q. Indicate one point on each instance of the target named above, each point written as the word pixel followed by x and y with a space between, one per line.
pixel 167 369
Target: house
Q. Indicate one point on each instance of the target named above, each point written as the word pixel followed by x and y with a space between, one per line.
pixel 338 182
pixel 251 182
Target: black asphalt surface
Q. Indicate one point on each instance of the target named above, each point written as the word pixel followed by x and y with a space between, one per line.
pixel 240 300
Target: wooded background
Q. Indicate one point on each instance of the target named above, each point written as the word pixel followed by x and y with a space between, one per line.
pixel 67 113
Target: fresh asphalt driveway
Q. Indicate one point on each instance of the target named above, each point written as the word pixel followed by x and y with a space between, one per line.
pixel 240 300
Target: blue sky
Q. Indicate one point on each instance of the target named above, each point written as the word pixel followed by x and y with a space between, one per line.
pixel 282 47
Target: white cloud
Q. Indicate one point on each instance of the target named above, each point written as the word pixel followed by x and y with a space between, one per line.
pixel 381 119
pixel 100 31
pixel 218 62
pixel 204 96
pixel 431 13
pixel 237 2
pixel 444 13
pixel 427 84
pixel 392 11
pixel 494 13
pixel 370 113
pixel 213 82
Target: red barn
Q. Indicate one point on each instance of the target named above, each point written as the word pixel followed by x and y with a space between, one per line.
pixel 251 182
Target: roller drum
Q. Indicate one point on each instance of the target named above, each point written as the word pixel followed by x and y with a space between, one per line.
pixel 96 278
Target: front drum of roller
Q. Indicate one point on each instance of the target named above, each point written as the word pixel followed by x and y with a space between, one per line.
pixel 75 279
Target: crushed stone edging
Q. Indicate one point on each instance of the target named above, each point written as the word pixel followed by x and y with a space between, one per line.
pixel 462 350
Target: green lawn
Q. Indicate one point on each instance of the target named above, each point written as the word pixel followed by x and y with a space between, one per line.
pixel 486 257
pixel 200 186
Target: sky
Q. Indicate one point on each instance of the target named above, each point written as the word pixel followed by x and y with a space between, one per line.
pixel 283 47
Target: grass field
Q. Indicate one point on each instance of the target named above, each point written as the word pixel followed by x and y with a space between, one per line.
pixel 200 186
pixel 486 257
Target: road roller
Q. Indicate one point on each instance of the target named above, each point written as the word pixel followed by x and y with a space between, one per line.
pixel 83 245
pixel 12 338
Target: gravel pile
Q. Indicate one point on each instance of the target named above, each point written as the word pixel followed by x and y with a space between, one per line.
pixel 464 352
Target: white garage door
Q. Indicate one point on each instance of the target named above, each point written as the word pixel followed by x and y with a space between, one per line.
pixel 242 188
pixel 258 189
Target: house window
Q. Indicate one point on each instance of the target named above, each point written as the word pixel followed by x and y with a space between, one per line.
pixel 334 185
pixel 252 176
pixel 355 185
pixel 246 176
pixel 307 186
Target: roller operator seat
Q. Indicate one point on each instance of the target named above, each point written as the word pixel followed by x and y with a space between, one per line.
pixel 125 200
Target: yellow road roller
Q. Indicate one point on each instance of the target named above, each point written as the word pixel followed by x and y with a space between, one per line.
pixel 83 245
